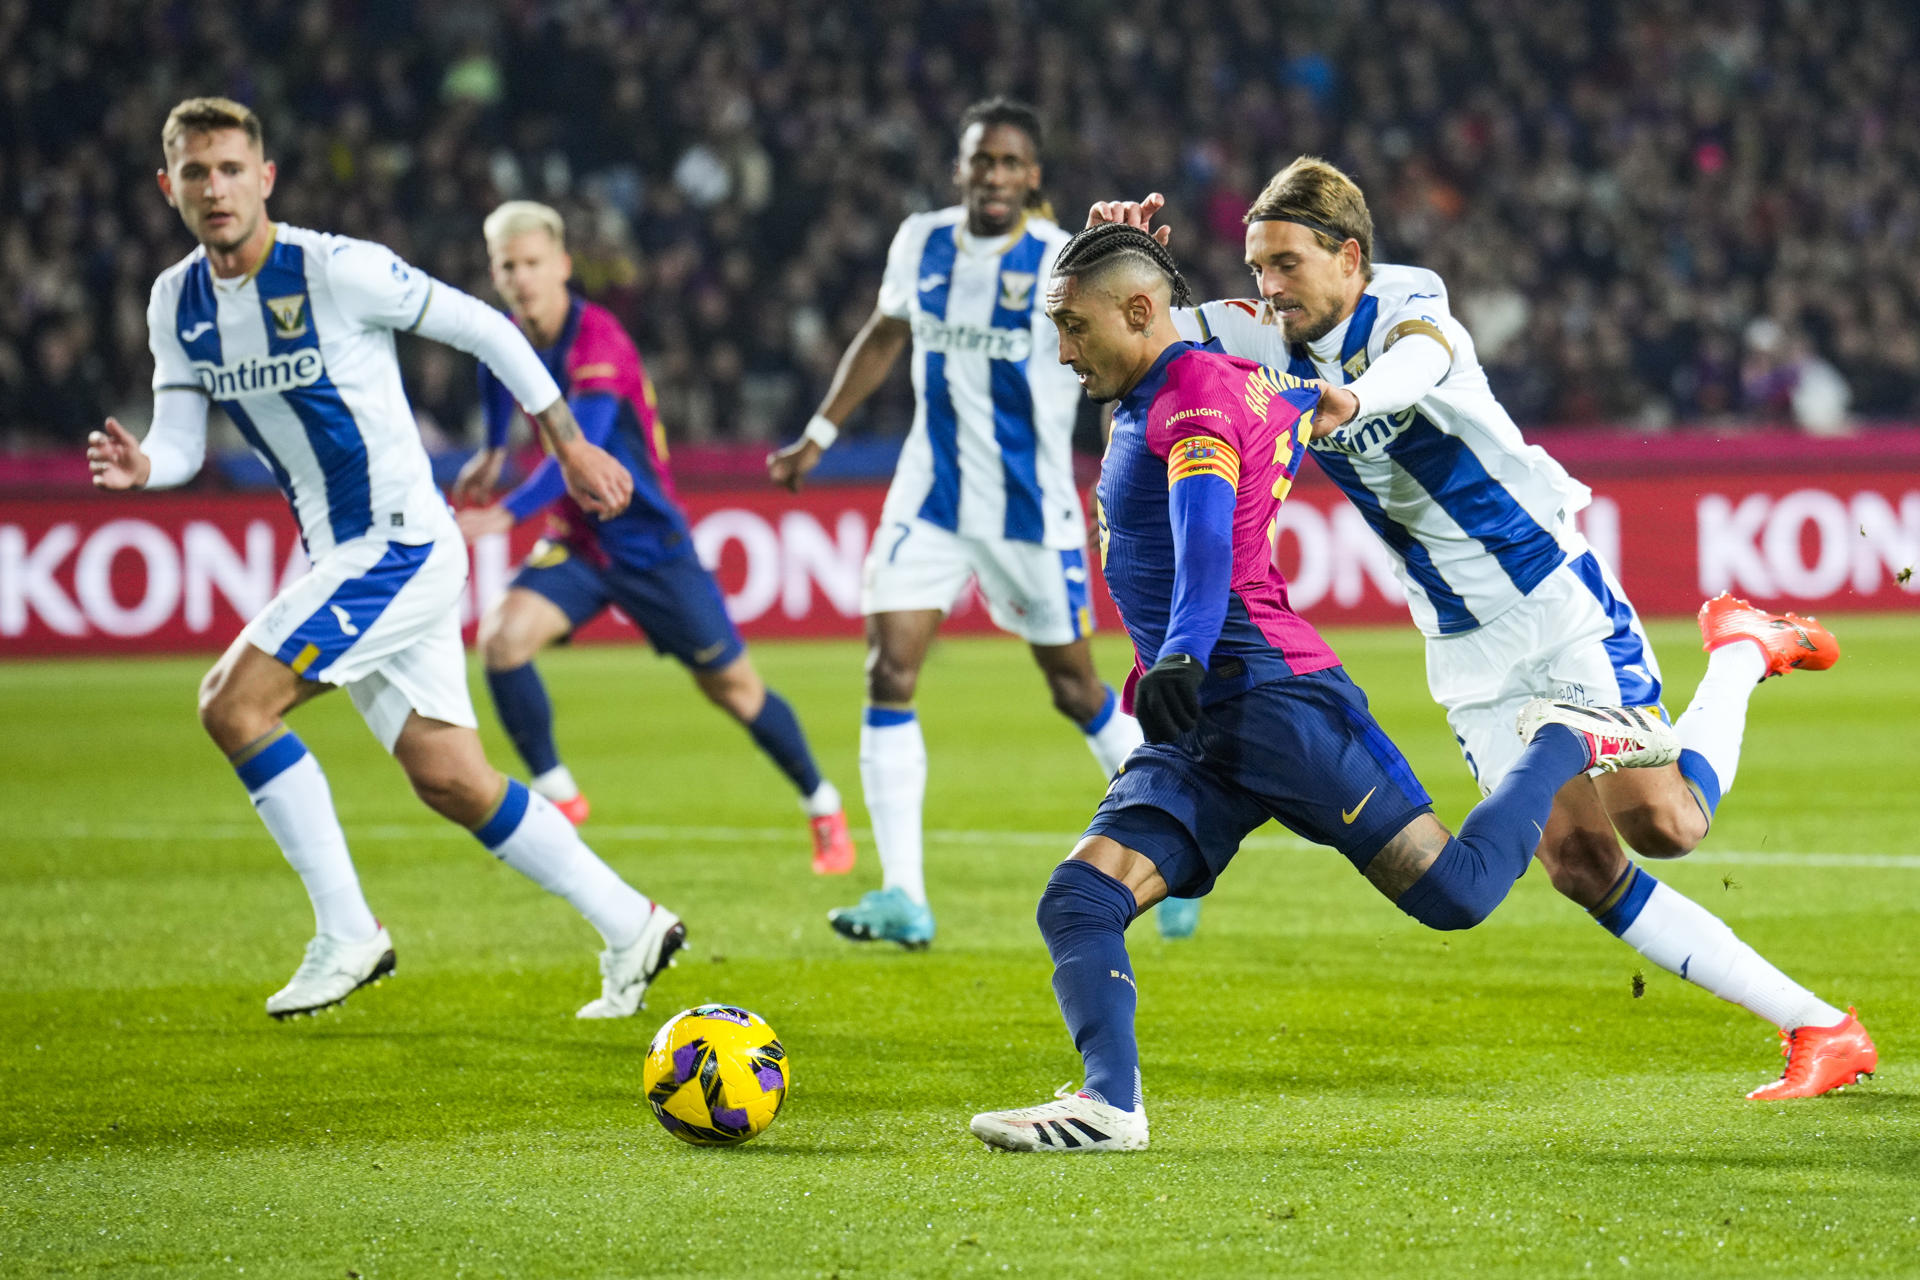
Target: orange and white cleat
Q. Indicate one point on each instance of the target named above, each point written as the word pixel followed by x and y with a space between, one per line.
pixel 832 844
pixel 576 809
pixel 1820 1060
pixel 1791 642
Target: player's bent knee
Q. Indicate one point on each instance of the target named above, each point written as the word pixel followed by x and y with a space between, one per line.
pixel 1662 831
pixel 1583 865
pixel 1456 892
pixel 890 681
pixel 506 642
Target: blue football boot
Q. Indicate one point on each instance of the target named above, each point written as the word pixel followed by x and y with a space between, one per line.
pixel 885 915
pixel 1177 917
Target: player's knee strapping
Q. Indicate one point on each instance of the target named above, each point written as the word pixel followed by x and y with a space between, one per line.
pixel 1474 872
pixel 1083 916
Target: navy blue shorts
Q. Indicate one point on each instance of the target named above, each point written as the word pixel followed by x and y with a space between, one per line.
pixel 1304 751
pixel 677 602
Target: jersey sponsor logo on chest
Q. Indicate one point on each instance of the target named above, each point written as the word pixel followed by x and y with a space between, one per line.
pixel 1366 438
pixel 954 338
pixel 261 375
pixel 289 315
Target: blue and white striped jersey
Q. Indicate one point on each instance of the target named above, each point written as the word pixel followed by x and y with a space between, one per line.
pixel 301 356
pixel 990 454
pixel 1474 515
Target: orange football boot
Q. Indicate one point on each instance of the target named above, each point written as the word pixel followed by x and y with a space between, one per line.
pixel 1791 642
pixel 576 809
pixel 1820 1059
pixel 832 844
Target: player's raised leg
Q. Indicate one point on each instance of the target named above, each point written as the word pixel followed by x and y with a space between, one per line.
pixel 521 623
pixel 242 700
pixel 450 773
pixel 893 774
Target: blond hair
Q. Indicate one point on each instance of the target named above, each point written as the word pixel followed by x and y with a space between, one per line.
pixel 1324 200
pixel 517 217
pixel 205 115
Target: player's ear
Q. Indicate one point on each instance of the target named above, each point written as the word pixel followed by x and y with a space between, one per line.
pixel 269 171
pixel 566 265
pixel 166 186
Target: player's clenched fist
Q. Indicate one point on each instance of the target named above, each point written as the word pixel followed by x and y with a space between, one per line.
pixel 115 459
pixel 1166 702
pixel 595 479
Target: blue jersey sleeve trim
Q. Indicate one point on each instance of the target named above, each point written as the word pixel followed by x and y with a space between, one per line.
pixel 1201 510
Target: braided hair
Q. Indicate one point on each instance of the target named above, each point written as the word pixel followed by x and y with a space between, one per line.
pixel 1110 243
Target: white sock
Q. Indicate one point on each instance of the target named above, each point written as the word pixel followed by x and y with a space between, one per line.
pixel 556 784
pixel 1716 720
pixel 1112 736
pixel 893 773
pixel 297 806
pixel 1684 938
pixel 545 848
pixel 825 800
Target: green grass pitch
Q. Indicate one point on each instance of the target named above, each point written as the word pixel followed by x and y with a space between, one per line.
pixel 1334 1090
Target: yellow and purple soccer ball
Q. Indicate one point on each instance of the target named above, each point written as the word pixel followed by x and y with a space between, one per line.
pixel 715 1075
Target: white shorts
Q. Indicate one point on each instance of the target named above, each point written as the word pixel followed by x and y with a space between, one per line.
pixel 1040 594
pixel 383 619
pixel 1574 638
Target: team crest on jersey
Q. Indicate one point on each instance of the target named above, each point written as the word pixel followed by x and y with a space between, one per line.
pixel 1016 290
pixel 289 315
pixel 1356 366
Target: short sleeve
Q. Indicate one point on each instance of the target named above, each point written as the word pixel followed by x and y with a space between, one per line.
pixel 899 283
pixel 172 370
pixel 375 286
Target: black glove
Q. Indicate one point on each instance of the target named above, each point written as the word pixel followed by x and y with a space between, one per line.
pixel 1166 702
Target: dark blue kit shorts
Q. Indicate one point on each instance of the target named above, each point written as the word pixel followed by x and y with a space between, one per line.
pixel 1303 750
pixel 676 602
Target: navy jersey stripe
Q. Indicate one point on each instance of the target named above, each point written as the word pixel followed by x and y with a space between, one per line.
pixel 942 504
pixel 1632 668
pixel 332 433
pixel 1452 611
pixel 1013 426
pixel 1447 469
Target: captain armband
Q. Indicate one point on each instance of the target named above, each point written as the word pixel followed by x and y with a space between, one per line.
pixel 1203 456
pixel 1421 326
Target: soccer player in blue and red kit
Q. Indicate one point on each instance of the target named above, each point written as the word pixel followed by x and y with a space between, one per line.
pixel 642 560
pixel 1246 711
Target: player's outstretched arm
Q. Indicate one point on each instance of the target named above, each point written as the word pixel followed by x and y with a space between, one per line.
pixel 862 369
pixel 175 446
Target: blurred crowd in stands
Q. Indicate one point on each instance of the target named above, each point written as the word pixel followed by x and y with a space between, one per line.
pixel 1664 211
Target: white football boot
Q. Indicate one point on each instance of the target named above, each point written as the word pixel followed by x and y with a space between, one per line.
pixel 626 971
pixel 1615 737
pixel 1074 1122
pixel 332 970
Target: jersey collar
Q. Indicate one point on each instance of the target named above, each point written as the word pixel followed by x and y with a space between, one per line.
pixel 233 284
pixel 1137 400
pixel 1346 339
pixel 970 243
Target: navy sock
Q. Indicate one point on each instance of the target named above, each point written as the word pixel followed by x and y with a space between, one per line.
pixel 1084 916
pixel 520 700
pixel 1473 874
pixel 777 731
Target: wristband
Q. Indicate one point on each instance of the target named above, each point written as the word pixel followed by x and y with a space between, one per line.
pixel 821 431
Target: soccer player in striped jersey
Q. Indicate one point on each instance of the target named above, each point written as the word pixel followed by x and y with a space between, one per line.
pixel 291 332
pixel 984 488
pixel 641 559
pixel 1246 711
pixel 1513 602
